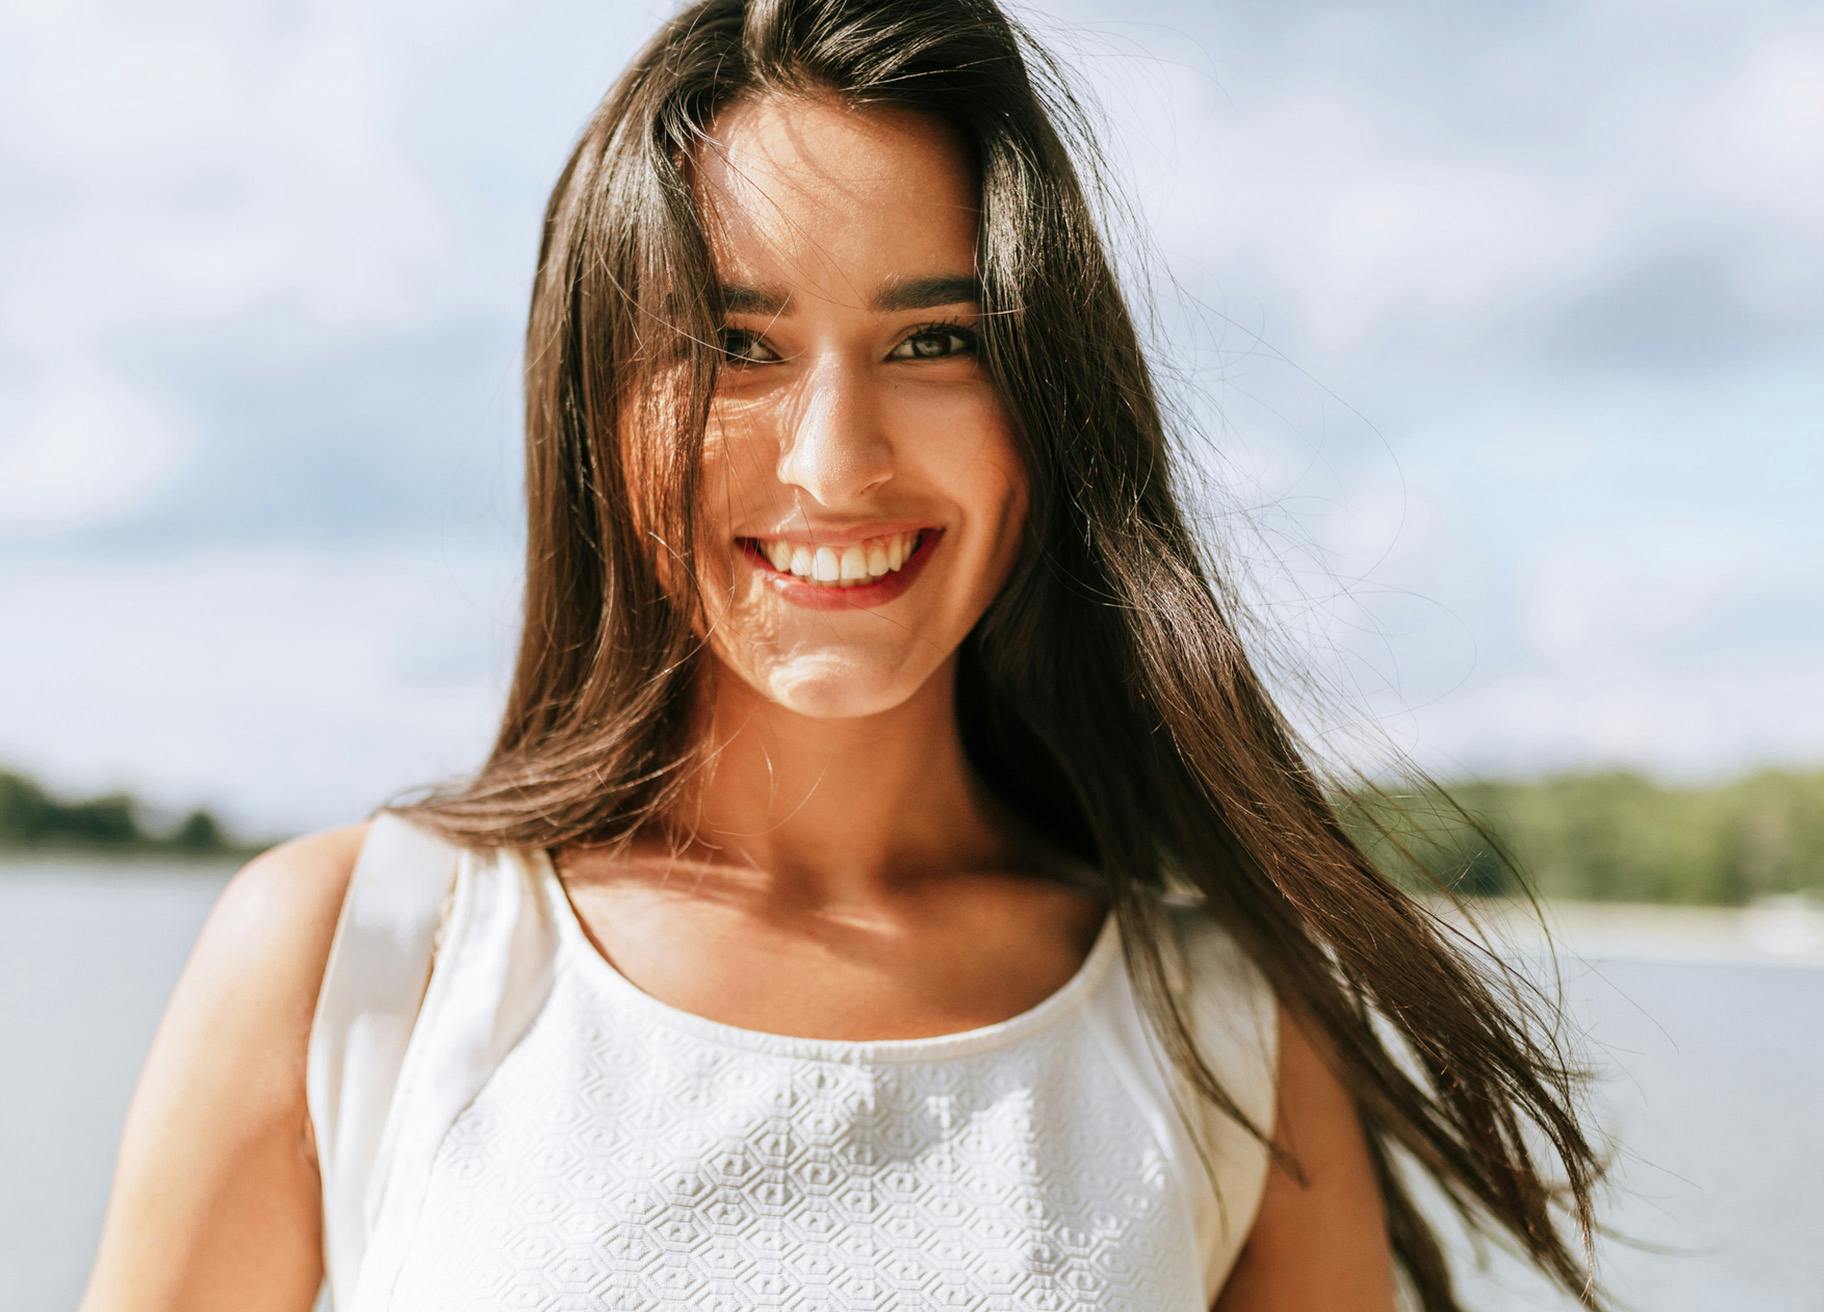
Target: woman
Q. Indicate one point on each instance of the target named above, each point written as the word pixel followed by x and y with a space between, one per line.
pixel 874 704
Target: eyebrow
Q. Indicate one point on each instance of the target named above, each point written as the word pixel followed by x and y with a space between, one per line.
pixel 901 294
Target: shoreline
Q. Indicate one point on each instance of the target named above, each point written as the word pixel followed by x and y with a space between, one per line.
pixel 1785 931
pixel 1779 931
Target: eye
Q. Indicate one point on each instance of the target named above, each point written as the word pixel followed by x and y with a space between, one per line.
pixel 743 347
pixel 936 341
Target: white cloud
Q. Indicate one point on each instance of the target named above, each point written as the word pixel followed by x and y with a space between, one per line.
pixel 80 446
pixel 1756 153
pixel 1640 596
pixel 1698 726
pixel 1685 647
pixel 174 173
pixel 289 690
pixel 192 171
pixel 1539 451
pixel 1381 191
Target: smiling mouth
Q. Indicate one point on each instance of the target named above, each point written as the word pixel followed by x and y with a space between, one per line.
pixel 862 564
pixel 901 563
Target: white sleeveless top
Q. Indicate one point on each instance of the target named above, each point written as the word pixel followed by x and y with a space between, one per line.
pixel 504 1121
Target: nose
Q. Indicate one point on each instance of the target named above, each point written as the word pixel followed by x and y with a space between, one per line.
pixel 835 446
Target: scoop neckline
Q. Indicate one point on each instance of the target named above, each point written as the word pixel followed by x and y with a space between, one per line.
pixel 1041 1015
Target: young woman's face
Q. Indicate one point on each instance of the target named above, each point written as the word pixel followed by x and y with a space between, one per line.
pixel 863 498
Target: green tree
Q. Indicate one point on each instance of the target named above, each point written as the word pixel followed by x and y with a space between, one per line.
pixel 199 832
pixel 25 810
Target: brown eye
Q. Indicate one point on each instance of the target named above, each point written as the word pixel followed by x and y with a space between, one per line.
pixel 936 343
pixel 741 347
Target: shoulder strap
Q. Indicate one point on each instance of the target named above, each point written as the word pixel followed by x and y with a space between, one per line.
pixel 1234 1016
pixel 374 981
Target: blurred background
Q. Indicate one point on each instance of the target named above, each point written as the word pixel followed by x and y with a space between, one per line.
pixel 1497 328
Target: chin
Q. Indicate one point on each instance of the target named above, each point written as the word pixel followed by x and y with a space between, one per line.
pixel 833 707
pixel 829 689
pixel 839 698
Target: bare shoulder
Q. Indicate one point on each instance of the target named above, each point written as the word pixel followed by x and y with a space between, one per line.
pixel 270 931
pixel 273 925
pixel 254 972
pixel 289 898
pixel 215 1194
pixel 1320 1241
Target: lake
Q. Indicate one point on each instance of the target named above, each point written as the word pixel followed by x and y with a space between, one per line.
pixel 1711 1037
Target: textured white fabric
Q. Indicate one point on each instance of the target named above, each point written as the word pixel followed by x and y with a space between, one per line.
pixel 557 1139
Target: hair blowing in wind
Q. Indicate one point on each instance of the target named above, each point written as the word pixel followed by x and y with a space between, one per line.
pixel 1105 695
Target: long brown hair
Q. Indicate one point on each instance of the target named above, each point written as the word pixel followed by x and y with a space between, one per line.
pixel 1105 694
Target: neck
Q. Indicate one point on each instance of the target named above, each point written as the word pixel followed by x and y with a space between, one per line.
pixel 843 811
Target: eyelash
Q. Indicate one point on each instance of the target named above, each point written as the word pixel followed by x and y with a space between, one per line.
pixel 937 328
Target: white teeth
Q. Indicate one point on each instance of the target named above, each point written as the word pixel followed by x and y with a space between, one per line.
pixel 845 567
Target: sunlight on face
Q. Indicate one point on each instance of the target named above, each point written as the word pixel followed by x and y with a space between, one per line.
pixel 853 402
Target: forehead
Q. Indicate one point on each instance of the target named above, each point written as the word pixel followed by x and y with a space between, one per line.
pixel 832 200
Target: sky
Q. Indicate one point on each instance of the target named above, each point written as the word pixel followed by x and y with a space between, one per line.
pixel 1498 327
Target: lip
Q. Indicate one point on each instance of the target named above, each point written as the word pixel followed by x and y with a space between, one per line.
pixel 841 535
pixel 863 596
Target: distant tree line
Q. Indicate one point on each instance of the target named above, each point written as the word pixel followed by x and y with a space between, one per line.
pixel 1610 836
pixel 32 819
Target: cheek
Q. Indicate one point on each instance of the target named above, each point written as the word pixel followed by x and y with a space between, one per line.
pixel 982 464
pixel 725 494
pixel 1009 486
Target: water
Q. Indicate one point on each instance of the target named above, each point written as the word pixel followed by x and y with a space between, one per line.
pixel 1717 1076
pixel 1714 1077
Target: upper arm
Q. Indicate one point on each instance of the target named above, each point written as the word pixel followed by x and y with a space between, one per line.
pixel 1321 1244
pixel 216 1197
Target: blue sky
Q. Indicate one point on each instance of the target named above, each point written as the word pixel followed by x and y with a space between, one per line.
pixel 1502 321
